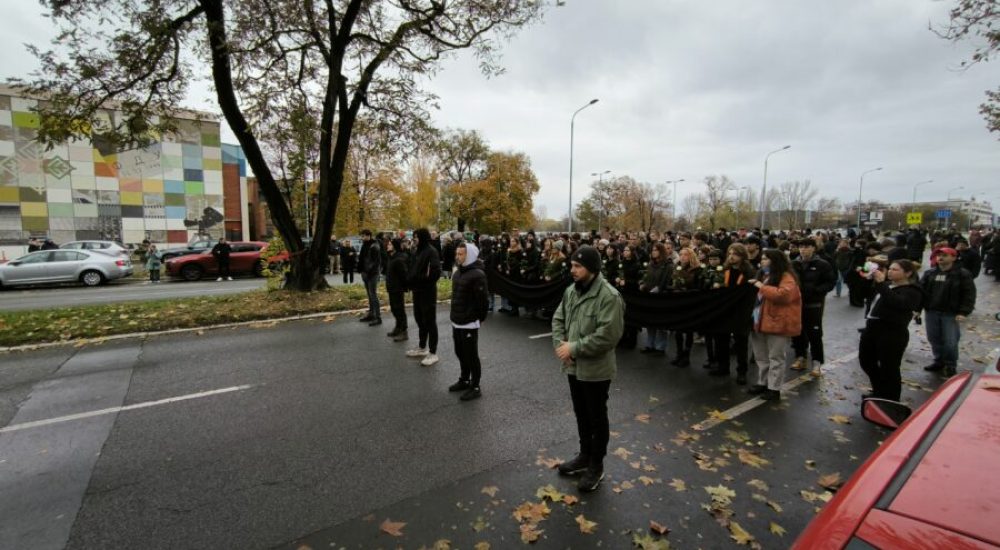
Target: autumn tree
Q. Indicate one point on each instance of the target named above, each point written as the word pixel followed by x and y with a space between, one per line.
pixel 423 193
pixel 462 157
pixel 715 202
pixel 793 200
pixel 978 20
pixel 502 199
pixel 335 57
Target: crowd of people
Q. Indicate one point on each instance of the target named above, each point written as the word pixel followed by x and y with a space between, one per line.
pixel 792 275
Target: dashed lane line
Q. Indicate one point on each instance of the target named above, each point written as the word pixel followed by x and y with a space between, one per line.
pixel 113 410
pixel 752 404
pixel 537 336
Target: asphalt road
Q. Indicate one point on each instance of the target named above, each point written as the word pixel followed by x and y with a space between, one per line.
pixel 55 296
pixel 313 433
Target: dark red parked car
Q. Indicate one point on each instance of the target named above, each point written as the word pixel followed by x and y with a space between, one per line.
pixel 934 483
pixel 245 258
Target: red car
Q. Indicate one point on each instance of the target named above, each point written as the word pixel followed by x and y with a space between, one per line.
pixel 932 484
pixel 245 258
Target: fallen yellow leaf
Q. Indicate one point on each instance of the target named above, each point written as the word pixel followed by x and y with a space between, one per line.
pixel 739 534
pixel 586 526
pixel 840 419
pixel 658 528
pixel 394 528
pixel 777 529
pixel 491 490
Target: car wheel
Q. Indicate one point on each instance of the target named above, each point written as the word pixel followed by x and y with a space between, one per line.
pixel 91 278
pixel 192 272
pixel 258 269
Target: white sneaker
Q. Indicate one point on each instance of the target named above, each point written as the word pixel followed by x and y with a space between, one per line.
pixel 219 279
pixel 229 278
pixel 429 360
pixel 417 352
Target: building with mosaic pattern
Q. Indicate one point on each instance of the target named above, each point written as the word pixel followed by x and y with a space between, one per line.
pixel 186 185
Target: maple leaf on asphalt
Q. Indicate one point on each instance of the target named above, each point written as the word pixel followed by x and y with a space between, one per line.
pixel 658 528
pixel 530 533
pixel 586 526
pixel 647 542
pixel 394 528
pixel 570 500
pixel 810 496
pixel 646 480
pixel 531 512
pixel 482 545
pixel 739 534
pixel 678 485
pixel 635 465
pixel 830 481
pixel 717 415
pixel 548 462
pixel 549 492
pixel 840 419
pixel 721 494
pixel 648 468
pixel 758 484
pixel 622 453
pixel 777 529
pixel 491 490
pixel 644 418
pixel 751 459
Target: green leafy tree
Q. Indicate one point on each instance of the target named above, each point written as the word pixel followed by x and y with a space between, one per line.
pixel 333 58
pixel 978 20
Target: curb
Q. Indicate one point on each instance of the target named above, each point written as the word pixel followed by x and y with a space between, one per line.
pixel 101 339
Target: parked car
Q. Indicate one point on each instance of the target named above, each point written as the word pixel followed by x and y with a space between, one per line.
pixel 193 247
pixel 107 247
pixel 245 258
pixel 89 267
pixel 931 484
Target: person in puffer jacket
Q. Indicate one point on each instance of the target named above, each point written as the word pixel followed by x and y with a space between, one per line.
pixel 469 304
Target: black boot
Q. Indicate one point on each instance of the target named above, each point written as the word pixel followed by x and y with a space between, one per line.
pixel 591 478
pixel 576 466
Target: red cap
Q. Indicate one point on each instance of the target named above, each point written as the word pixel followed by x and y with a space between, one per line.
pixel 947 250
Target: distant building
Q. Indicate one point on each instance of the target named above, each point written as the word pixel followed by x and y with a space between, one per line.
pixel 187 184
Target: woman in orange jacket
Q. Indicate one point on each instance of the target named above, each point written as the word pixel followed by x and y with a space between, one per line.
pixel 777 317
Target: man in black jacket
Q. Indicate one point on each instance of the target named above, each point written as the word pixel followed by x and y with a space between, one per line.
pixel 395 286
pixel 469 302
pixel 949 297
pixel 221 252
pixel 425 270
pixel 816 279
pixel 968 258
pixel 371 268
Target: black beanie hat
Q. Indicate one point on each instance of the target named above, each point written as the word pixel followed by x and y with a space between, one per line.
pixel 588 257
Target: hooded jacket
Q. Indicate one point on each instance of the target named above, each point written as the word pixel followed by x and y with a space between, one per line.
pixel 425 269
pixel 469 290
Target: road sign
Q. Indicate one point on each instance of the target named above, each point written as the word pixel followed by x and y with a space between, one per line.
pixel 914 218
pixel 945 213
pixel 875 215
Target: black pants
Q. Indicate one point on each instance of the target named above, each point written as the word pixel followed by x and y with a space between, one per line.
pixel 724 349
pixel 224 268
pixel 684 341
pixel 398 310
pixel 880 352
pixel 467 350
pixel 154 274
pixel 630 337
pixel 590 405
pixel 811 337
pixel 425 313
pixel 711 346
pixel 348 274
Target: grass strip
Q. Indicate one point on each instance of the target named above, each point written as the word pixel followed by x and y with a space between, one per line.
pixel 19 328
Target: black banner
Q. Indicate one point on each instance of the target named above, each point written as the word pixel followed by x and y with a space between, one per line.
pixel 714 311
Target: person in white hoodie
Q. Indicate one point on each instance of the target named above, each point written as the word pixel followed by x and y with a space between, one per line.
pixel 469 306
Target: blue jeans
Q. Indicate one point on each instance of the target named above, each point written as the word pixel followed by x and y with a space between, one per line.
pixel 656 339
pixel 371 287
pixel 943 333
pixel 840 281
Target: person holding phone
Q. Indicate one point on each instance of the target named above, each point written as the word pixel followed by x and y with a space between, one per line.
pixel 886 333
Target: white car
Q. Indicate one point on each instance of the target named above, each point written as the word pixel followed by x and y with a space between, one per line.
pixel 108 247
pixel 89 267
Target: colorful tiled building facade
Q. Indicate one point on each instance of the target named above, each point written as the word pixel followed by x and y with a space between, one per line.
pixel 185 185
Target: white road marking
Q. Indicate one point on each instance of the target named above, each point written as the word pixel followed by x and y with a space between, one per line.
pixel 537 336
pixel 752 404
pixel 112 410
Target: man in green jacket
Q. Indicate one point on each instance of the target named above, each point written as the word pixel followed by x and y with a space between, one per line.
pixel 585 329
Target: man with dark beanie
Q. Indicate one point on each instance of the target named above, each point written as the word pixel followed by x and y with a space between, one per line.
pixel 425 270
pixel 586 326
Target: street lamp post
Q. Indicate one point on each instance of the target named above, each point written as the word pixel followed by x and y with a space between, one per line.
pixel 600 211
pixel 913 199
pixel 572 122
pixel 861 185
pixel 763 193
pixel 673 203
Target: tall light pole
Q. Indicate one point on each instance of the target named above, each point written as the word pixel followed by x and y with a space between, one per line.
pixel 572 122
pixel 673 204
pixel 600 180
pixel 913 199
pixel 960 187
pixel 763 193
pixel 861 185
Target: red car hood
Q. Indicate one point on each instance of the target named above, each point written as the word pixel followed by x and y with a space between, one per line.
pixel 956 485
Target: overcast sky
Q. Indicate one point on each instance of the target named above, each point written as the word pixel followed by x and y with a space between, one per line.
pixel 689 89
